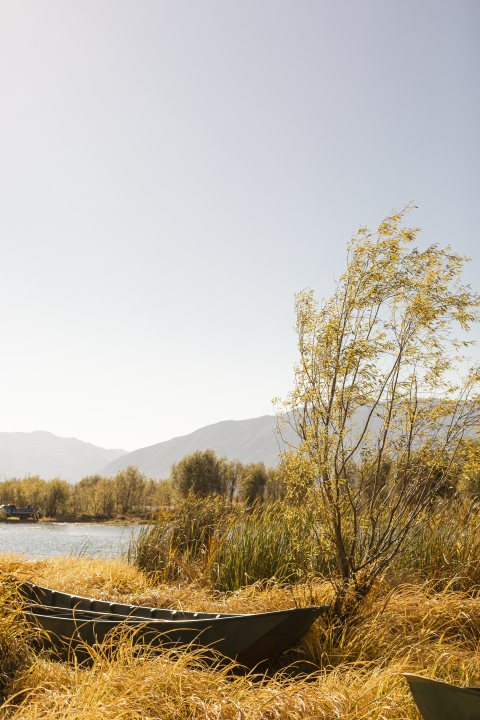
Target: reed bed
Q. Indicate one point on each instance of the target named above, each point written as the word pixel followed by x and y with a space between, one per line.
pixel 403 627
pixel 228 548
pixel 180 686
pixel 447 549
pixel 263 543
pixel 117 581
pixel 204 539
pixel 14 649
pixel 422 616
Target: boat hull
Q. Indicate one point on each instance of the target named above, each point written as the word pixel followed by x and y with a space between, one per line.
pixel 438 700
pixel 249 639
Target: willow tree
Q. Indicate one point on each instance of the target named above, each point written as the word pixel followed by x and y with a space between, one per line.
pixel 378 407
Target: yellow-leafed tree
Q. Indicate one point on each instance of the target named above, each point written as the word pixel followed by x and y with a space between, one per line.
pixel 378 406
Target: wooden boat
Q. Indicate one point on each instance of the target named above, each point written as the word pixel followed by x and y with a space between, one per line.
pixel 437 700
pixel 250 639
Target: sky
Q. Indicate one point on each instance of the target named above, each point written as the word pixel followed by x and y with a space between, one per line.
pixel 172 173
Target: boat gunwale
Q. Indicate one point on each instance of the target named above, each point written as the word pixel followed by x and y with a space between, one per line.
pixel 426 680
pixel 37 590
pixel 133 609
pixel 180 622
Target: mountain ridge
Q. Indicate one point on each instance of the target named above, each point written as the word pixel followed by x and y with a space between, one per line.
pixel 251 440
pixel 42 453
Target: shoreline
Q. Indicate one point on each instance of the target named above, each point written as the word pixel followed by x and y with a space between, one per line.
pixel 86 519
pixel 82 519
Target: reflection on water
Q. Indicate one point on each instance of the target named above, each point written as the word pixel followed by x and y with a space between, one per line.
pixel 44 540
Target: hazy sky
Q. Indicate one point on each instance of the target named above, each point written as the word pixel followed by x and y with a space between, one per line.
pixel 171 173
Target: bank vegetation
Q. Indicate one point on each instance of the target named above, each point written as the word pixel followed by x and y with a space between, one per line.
pixel 130 493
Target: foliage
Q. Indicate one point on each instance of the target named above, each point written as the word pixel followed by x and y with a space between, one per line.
pixel 129 484
pixel 203 473
pixel 467 476
pixel 253 482
pixel 233 471
pixel 276 487
pixel 177 542
pixel 127 492
pixel 131 492
pixel 56 495
pixel 373 393
pixel 200 473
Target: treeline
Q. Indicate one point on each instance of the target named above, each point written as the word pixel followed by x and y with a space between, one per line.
pixel 203 474
pixel 131 492
pixel 127 492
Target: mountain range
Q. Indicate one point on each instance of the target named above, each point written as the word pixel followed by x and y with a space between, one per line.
pixel 253 440
pixel 47 455
pixel 42 453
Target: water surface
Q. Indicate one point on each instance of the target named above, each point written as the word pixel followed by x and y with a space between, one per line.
pixel 44 539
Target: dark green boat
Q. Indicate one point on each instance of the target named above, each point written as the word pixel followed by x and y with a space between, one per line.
pixel 248 639
pixel 437 700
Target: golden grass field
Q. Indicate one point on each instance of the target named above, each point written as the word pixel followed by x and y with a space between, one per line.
pixel 405 625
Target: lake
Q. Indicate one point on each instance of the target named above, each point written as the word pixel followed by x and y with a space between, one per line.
pixel 44 539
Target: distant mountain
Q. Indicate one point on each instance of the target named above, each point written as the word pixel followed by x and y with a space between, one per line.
pixel 251 440
pixel 45 454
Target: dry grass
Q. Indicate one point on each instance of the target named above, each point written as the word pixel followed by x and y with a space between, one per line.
pixel 99 578
pixel 117 581
pixel 14 650
pixel 175 686
pixel 404 626
pixel 407 623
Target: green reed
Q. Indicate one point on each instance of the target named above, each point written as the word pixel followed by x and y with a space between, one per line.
pixel 230 547
pixel 447 548
pixel 175 543
pixel 264 543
